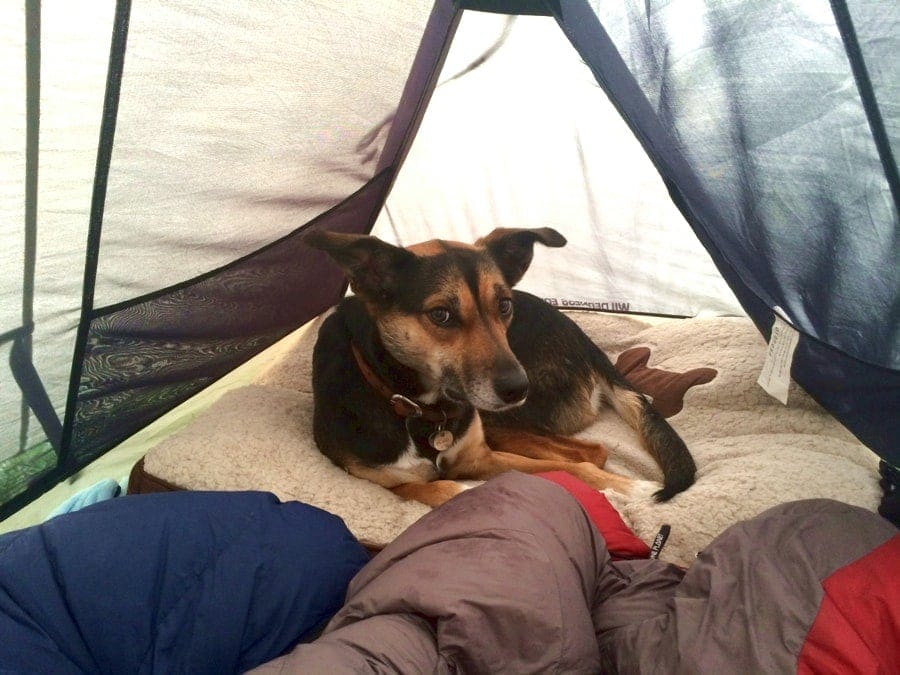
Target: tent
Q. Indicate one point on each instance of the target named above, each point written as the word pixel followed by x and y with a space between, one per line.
pixel 155 191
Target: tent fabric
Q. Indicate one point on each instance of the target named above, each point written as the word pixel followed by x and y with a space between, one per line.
pixel 197 582
pixel 742 120
pixel 517 133
pixel 275 128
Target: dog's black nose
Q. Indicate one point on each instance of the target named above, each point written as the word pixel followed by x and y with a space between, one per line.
pixel 512 386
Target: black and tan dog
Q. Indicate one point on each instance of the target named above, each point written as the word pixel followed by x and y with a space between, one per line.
pixel 437 369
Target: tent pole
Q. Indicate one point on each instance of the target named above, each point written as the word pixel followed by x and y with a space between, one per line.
pixel 32 147
pixel 867 95
pixel 98 201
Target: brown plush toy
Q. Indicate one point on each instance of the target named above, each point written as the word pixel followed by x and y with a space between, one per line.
pixel 667 389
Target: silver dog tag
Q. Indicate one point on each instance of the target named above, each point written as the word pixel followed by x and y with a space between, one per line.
pixel 441 440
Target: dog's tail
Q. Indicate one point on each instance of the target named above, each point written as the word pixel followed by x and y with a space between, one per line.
pixel 657 436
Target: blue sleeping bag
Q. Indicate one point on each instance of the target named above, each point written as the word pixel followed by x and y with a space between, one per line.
pixel 199 582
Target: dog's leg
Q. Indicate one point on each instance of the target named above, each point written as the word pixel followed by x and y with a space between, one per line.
pixel 479 462
pixel 433 493
pixel 540 446
pixel 588 472
pixel 412 481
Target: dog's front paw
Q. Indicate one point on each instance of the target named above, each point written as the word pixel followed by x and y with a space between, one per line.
pixel 433 493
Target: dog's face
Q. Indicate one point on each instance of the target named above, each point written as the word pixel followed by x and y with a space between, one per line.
pixel 443 308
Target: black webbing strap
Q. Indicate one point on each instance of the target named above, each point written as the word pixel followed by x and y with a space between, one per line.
pixel 26 376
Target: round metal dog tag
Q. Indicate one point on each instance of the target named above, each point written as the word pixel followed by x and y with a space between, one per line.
pixel 441 440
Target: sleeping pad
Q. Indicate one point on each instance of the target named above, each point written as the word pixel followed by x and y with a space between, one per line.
pixel 512 577
pixel 179 582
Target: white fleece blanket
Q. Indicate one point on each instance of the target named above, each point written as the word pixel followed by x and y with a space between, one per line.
pixel 751 451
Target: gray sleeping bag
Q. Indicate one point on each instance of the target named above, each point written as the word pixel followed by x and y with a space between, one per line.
pixel 512 577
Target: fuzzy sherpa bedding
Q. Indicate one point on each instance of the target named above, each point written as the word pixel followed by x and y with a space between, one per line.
pixel 751 451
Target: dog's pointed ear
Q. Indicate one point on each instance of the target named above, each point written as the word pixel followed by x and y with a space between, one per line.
pixel 513 248
pixel 373 266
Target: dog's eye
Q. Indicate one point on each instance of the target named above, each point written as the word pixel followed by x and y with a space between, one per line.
pixel 440 316
pixel 506 306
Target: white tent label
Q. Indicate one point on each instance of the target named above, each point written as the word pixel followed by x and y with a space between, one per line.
pixel 776 373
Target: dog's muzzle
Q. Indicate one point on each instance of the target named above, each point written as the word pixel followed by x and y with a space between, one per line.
pixel 512 387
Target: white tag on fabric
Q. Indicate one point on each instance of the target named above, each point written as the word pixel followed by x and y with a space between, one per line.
pixel 776 373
